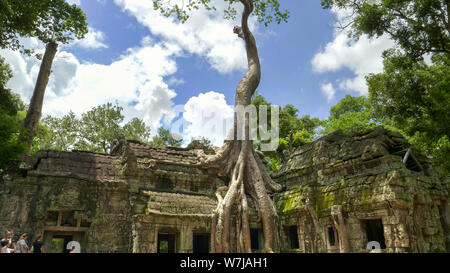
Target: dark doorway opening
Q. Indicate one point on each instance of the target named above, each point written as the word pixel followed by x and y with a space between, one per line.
pixel 293 237
pixel 59 243
pixel 201 243
pixel 375 232
pixel 166 243
pixel 331 236
pixel 254 238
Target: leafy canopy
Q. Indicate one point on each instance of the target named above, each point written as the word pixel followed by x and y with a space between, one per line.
pixel 95 131
pixel 47 20
pixel 166 139
pixel 10 124
pixel 294 131
pixel 201 143
pixel 416 97
pixel 266 11
pixel 417 26
pixel 350 114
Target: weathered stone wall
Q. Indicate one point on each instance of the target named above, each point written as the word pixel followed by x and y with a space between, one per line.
pixel 360 173
pixel 109 192
pixel 84 183
pixel 121 202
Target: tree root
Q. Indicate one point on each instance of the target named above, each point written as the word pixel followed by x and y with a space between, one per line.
pixel 248 177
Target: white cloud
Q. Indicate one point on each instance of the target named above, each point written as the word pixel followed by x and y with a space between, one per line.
pixel 209 116
pixel 135 81
pixel 361 57
pixel 206 34
pixel 328 90
pixel 94 39
pixel 76 2
pixel 174 81
pixel 26 68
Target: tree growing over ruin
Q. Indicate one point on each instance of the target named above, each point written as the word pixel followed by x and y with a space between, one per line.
pixel 51 22
pixel 237 160
pixel 413 94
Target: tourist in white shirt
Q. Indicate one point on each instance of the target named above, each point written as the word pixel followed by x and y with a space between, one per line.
pixel 5 246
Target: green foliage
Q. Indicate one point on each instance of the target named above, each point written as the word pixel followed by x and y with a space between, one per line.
pixel 201 144
pixel 418 26
pixel 100 127
pixel 59 133
pixel 416 96
pixel 47 20
pixel 294 131
pixel 96 131
pixel 410 96
pixel 10 124
pixel 165 139
pixel 350 114
pixel 136 130
pixel 266 11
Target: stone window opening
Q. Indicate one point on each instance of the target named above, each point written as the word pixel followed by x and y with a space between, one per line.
pixel 201 243
pixel 332 236
pixel 254 238
pixel 59 243
pixel 66 220
pixel 408 159
pixel 374 231
pixel 292 237
pixel 166 243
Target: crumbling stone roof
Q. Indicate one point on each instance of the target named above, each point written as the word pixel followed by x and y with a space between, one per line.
pixel 179 156
pixel 77 164
pixel 358 170
pixel 104 167
pixel 340 155
pixel 176 203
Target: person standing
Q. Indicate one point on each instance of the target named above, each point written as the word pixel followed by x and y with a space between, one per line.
pixel 6 244
pixel 22 246
pixel 38 245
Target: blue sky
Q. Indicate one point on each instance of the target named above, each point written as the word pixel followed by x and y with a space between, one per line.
pixel 286 51
pixel 162 71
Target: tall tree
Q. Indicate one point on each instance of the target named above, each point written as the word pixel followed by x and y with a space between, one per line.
pixel 350 114
pixel 60 133
pixel 100 127
pixel 412 93
pixel 202 143
pixel 165 138
pixel 417 26
pixel 416 97
pixel 237 159
pixel 10 125
pixel 52 22
pixel 96 131
pixel 136 129
pixel 294 131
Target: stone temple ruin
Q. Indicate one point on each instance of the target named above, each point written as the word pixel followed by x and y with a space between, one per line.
pixel 340 193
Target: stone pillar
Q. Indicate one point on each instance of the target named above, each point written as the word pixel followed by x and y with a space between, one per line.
pixel 338 218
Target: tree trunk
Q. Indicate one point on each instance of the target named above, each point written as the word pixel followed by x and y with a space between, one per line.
pixel 35 109
pixel 338 219
pixel 237 160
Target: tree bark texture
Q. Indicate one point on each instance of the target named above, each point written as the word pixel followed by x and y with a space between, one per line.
pixel 35 109
pixel 243 166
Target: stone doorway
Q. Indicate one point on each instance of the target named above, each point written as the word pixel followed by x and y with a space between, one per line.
pixel 375 232
pixel 332 238
pixel 59 243
pixel 56 241
pixel 201 243
pixel 166 243
pixel 293 237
